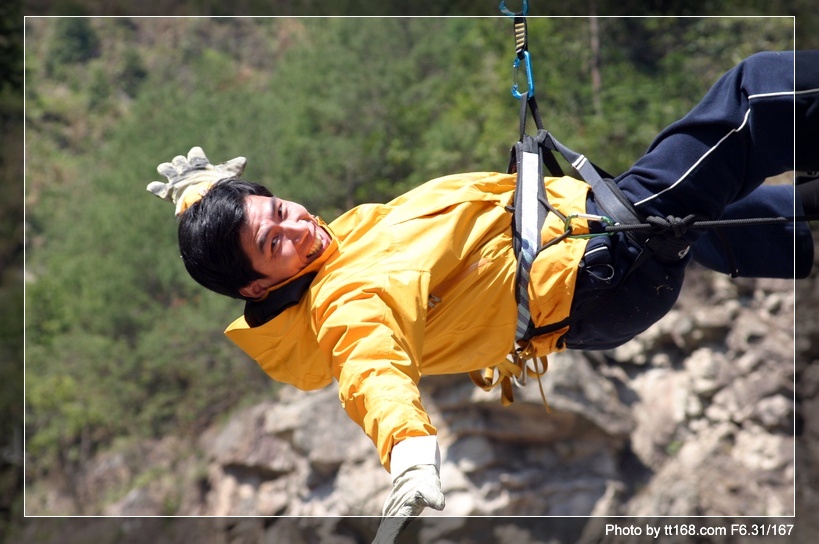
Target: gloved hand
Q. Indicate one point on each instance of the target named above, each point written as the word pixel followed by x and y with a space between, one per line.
pixel 416 488
pixel 189 178
pixel 413 488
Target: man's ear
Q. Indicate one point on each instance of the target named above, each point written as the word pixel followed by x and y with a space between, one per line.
pixel 254 289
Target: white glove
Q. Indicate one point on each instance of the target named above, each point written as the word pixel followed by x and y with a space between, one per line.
pixel 416 488
pixel 189 178
pixel 413 488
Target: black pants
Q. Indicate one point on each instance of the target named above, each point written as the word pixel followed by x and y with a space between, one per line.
pixel 711 164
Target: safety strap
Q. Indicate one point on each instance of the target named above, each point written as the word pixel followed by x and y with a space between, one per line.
pixel 529 216
pixel 607 195
pixel 528 156
pixel 527 159
pixel 531 206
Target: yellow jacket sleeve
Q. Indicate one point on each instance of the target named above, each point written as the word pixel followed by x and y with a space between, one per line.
pixel 373 333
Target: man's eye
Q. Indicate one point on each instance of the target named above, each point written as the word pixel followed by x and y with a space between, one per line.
pixel 281 211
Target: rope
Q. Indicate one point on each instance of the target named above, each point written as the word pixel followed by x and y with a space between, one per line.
pixel 678 226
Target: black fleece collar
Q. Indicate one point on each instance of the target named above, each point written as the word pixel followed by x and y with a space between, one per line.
pixel 259 312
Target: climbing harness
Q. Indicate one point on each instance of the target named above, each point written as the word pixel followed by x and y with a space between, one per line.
pixel 659 237
pixel 530 208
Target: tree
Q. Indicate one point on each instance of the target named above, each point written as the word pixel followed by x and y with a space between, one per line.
pixel 74 41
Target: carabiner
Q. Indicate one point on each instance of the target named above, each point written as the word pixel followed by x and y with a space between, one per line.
pixel 511 14
pixel 567 224
pixel 530 81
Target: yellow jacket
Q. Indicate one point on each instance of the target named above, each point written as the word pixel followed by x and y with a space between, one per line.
pixel 424 284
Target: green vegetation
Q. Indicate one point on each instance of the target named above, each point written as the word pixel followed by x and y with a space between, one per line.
pixel 330 112
pixel 75 42
pixel 11 264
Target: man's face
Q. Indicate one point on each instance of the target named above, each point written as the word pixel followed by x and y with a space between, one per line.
pixel 280 239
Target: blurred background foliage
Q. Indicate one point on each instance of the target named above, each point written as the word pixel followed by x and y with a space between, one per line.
pixel 331 112
pixel 11 260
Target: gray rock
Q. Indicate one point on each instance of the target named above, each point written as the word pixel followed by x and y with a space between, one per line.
pixel 695 417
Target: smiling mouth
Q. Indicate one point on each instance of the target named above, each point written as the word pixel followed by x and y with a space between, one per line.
pixel 315 248
pixel 317 245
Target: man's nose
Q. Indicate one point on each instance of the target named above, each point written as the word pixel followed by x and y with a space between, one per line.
pixel 295 230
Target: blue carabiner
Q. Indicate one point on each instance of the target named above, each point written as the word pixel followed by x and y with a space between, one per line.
pixel 530 81
pixel 510 13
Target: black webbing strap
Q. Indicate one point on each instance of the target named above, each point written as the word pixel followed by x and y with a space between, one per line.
pixel 606 194
pixel 529 104
pixel 531 207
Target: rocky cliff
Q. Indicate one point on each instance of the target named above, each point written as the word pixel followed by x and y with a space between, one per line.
pixel 696 417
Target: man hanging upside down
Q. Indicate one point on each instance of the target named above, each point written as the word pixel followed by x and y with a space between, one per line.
pixel 426 283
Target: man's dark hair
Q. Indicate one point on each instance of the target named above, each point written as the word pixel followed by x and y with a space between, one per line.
pixel 209 237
